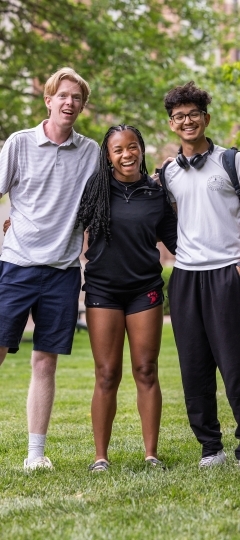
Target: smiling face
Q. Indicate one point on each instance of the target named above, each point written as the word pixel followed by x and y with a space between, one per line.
pixel 125 154
pixel 65 106
pixel 189 130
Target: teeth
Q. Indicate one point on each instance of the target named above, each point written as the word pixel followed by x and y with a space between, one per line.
pixel 129 163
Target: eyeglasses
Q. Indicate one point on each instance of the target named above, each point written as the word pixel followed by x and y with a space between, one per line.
pixel 181 117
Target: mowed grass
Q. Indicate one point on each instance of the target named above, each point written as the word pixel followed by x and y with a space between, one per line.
pixel 130 501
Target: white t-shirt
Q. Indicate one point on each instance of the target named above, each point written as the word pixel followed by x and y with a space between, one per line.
pixel 208 214
pixel 45 182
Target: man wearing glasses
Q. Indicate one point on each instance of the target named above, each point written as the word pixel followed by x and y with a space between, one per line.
pixel 204 290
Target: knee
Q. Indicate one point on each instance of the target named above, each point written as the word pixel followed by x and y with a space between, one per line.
pixel 108 379
pixel 44 365
pixel 146 374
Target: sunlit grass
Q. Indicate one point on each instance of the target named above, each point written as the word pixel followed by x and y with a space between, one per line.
pixel 130 501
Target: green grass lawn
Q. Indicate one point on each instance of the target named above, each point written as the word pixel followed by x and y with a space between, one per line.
pixel 129 501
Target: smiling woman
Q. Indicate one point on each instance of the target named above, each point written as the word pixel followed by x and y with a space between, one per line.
pixel 123 283
pixel 125 155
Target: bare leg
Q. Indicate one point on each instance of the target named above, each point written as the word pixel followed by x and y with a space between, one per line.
pixel 107 330
pixel 41 391
pixel 144 332
pixel 3 352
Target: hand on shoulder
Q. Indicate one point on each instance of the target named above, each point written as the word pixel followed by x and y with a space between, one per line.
pixel 6 225
pixel 155 175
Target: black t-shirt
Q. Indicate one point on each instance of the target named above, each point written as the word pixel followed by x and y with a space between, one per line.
pixel 140 215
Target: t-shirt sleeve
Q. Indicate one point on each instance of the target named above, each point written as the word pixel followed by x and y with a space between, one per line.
pixel 8 164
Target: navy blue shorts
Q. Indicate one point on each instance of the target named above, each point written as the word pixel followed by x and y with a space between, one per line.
pixel 52 296
pixel 129 302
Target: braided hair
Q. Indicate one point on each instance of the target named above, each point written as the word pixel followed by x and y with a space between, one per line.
pixel 94 211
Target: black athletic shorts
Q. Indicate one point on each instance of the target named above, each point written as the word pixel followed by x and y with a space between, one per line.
pixel 130 302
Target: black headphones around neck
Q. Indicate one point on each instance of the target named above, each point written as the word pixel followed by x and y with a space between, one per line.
pixel 197 161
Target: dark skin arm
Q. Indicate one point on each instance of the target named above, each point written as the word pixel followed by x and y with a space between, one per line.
pixel 6 225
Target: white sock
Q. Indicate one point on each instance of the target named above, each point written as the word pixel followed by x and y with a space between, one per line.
pixel 36 445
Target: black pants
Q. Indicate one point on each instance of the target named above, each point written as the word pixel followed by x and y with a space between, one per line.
pixel 205 313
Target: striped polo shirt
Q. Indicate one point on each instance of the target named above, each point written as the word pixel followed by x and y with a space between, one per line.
pixel 45 182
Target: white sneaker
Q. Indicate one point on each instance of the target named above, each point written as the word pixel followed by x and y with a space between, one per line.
pixel 216 459
pixel 38 463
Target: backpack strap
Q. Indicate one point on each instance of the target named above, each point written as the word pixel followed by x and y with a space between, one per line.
pixel 228 161
pixel 161 173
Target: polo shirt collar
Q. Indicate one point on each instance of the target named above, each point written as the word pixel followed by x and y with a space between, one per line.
pixel 74 138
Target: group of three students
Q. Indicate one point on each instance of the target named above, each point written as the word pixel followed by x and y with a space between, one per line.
pixel 61 184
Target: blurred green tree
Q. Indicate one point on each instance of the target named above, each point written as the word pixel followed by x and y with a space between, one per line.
pixel 130 52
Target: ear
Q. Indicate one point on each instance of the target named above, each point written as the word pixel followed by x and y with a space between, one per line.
pixel 207 119
pixel 47 100
pixel 171 124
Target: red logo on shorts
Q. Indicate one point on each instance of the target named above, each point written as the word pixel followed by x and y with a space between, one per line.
pixel 153 296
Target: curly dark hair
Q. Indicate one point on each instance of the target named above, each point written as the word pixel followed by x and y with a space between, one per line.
pixel 189 93
pixel 94 211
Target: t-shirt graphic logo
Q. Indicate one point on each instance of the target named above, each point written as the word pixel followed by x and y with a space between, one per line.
pixel 215 183
pixel 153 296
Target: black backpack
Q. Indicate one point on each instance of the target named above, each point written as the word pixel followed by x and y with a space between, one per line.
pixel 228 164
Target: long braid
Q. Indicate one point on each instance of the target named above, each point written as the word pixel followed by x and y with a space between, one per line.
pixel 94 211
